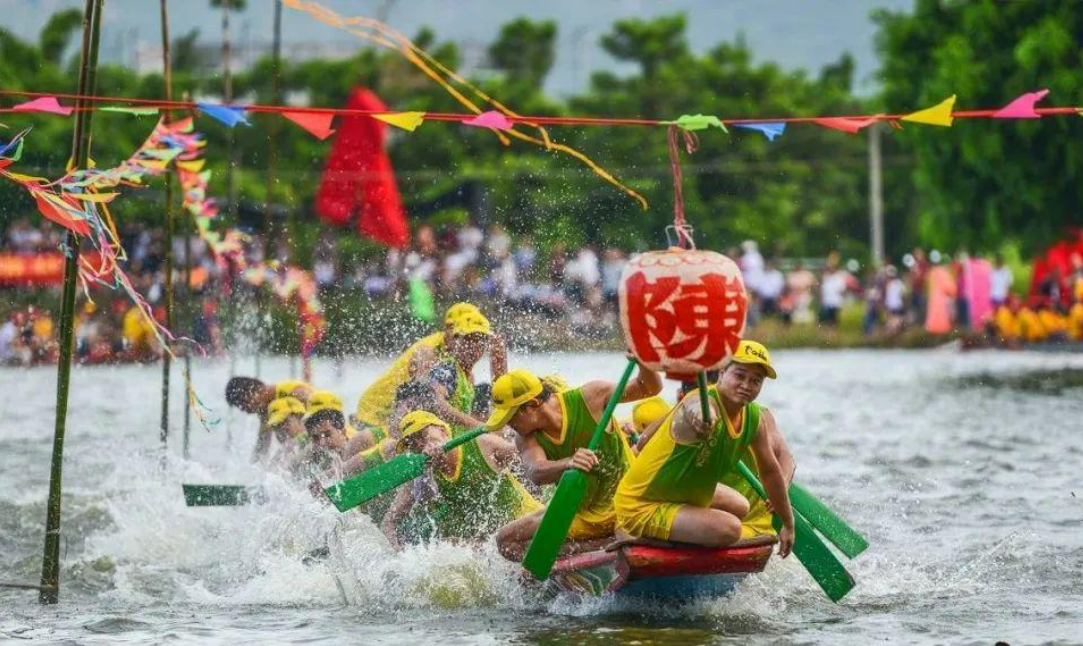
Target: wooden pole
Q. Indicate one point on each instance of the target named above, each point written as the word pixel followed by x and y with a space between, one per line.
pixel 189 316
pixel 49 592
pixel 273 228
pixel 167 359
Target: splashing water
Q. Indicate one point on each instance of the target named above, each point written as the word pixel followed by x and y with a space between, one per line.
pixel 962 481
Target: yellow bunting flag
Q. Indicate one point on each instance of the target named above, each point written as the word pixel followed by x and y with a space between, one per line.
pixel 99 198
pixel 408 121
pixel 192 166
pixel 938 115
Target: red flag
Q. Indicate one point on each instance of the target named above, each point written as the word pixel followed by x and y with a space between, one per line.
pixel 359 180
pixel 318 124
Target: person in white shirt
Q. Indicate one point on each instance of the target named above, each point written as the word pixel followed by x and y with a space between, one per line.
pixel 833 288
pixel 771 285
pixel 1000 283
pixel 751 265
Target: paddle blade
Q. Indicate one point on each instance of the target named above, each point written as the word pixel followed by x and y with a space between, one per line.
pixel 219 495
pixel 369 484
pixel 834 529
pixel 818 559
pixel 545 546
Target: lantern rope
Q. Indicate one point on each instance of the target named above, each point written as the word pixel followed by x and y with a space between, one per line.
pixel 681 227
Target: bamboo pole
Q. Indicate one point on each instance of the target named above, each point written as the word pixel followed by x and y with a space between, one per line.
pixel 49 592
pixel 189 319
pixel 167 359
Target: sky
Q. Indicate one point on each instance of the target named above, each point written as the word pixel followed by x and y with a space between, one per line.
pixel 797 34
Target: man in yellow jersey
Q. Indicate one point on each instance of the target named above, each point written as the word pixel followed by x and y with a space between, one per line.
pixel 409 397
pixel 376 402
pixel 253 397
pixel 475 492
pixel 670 492
pixel 552 430
pixel 756 514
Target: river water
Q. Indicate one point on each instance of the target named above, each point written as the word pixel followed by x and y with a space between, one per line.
pixel 962 469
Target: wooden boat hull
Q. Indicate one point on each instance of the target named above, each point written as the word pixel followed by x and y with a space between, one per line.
pixel 669 572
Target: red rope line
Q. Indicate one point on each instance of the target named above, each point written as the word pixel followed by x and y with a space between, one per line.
pixel 524 119
pixel 691 143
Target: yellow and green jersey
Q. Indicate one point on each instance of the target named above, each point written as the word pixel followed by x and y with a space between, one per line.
pixel 376 402
pixel 476 500
pixel 614 455
pixel 668 471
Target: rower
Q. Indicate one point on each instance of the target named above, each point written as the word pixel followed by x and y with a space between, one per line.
pixel 476 493
pixel 645 415
pixel 253 396
pixel 552 430
pixel 452 378
pixel 285 423
pixel 670 493
pixel 411 396
pixel 331 438
pixel 419 359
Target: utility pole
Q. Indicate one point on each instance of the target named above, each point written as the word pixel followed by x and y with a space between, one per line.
pixel 49 591
pixel 876 196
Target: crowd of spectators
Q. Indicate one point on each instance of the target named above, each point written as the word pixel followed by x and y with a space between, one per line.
pixel 577 287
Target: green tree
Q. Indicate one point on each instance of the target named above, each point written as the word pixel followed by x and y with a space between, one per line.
pixel 986 183
pixel 524 49
pixel 58 32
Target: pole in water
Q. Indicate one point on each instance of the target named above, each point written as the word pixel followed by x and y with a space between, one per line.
pixel 167 359
pixel 49 592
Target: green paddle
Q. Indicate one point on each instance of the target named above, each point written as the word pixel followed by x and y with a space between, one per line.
pixel 827 522
pixel 220 495
pixel 366 485
pixel 817 558
pixel 547 541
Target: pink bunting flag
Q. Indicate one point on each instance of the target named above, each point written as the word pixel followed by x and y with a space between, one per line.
pixel 44 104
pixel 491 119
pixel 316 123
pixel 852 126
pixel 1022 107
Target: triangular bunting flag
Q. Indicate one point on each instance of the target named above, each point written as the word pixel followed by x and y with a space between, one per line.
pixel 192 166
pixel 938 115
pixel 852 126
pixel 318 124
pixel 139 112
pixel 1022 107
pixel 230 115
pixel 770 129
pixel 408 121
pixel 694 122
pixel 44 104
pixel 491 119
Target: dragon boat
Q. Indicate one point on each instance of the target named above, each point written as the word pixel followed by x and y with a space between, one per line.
pixel 662 571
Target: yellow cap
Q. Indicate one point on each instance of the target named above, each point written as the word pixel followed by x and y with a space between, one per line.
pixel 279 409
pixel 416 422
pixel 323 400
pixel 752 352
pixel 509 393
pixel 457 310
pixel 649 411
pixel 471 323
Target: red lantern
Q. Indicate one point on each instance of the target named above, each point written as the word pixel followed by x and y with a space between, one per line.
pixel 682 310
